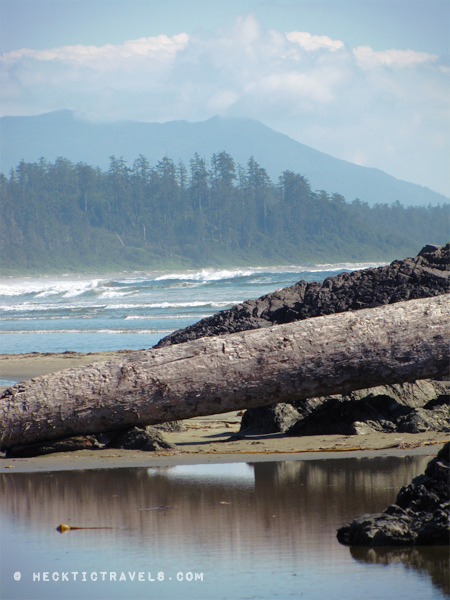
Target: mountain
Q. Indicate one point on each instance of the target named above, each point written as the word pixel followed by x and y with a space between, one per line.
pixel 61 133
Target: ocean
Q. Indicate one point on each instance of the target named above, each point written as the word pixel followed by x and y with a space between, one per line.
pixel 131 310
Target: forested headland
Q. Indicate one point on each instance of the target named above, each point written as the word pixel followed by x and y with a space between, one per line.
pixel 62 217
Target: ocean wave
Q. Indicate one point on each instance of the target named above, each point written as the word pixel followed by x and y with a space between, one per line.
pixel 44 288
pixel 109 294
pixel 81 331
pixel 206 275
pixel 162 317
pixel 29 307
pixel 192 304
pixel 46 318
pixel 185 285
pixel 69 287
pixel 344 266
pixel 211 275
pixel 78 290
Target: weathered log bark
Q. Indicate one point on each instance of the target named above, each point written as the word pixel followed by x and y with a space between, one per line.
pixel 324 355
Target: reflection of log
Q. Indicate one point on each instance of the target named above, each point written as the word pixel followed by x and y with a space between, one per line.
pixel 315 357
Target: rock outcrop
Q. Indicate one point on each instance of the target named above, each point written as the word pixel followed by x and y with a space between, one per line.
pixel 428 274
pixel 408 408
pixel 419 517
pixel 378 413
pixel 149 439
pixel 70 444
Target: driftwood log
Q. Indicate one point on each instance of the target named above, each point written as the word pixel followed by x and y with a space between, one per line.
pixel 315 357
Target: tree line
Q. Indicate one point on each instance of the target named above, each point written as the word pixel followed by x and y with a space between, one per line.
pixel 64 216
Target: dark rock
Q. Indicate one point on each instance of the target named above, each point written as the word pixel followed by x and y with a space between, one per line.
pixel 134 438
pixel 420 515
pixel 277 418
pixel 428 274
pixel 171 426
pixel 416 394
pixel 140 438
pixel 379 530
pixel 379 413
pixel 442 400
pixel 418 420
pixel 343 416
pixel 84 442
pixel 406 408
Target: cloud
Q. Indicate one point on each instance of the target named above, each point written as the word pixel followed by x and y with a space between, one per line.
pixel 314 42
pixel 240 70
pixel 366 57
pixel 387 108
pixel 161 48
pixel 94 80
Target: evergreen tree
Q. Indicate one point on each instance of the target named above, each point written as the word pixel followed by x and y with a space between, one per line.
pixel 63 216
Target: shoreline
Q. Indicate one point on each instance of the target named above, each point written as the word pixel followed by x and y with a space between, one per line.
pixel 20 367
pixel 205 439
pixel 169 267
pixel 84 460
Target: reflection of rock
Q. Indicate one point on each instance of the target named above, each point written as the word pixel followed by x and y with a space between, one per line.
pixel 135 438
pixel 430 560
pixel 284 520
pixel 420 515
pixel 352 480
pixel 407 408
pixel 127 499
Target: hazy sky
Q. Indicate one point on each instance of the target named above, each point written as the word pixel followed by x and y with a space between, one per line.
pixel 363 80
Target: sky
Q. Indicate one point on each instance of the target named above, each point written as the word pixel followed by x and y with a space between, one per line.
pixel 363 80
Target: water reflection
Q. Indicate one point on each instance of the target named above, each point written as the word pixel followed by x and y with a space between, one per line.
pixel 432 560
pixel 244 517
pixel 306 493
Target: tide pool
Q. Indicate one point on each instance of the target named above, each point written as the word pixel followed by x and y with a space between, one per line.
pixel 233 531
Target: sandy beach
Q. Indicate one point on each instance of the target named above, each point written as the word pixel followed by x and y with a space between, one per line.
pixel 21 367
pixel 206 439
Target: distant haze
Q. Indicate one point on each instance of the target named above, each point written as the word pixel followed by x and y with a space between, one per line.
pixel 61 133
pixel 366 81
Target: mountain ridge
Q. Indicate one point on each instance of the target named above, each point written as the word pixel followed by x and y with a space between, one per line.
pixel 63 133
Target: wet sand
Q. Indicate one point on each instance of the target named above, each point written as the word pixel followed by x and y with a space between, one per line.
pixel 206 439
pixel 20 367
